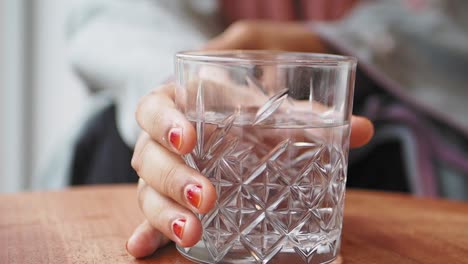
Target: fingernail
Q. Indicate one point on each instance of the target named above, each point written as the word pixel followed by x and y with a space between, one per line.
pixel 178 227
pixel 194 195
pixel 175 137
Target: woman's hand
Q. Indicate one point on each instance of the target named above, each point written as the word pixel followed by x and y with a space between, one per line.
pixel 170 192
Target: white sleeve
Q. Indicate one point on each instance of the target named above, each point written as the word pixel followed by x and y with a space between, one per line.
pixel 126 47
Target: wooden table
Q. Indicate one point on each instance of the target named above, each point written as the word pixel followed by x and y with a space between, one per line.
pixel 91 225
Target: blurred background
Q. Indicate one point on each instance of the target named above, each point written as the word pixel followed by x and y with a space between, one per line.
pixel 40 98
pixel 413 85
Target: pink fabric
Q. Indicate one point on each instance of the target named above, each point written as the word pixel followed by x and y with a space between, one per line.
pixel 284 10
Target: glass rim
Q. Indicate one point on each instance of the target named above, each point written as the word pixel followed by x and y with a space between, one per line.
pixel 249 56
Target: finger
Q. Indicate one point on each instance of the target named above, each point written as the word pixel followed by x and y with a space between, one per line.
pixel 157 115
pixel 225 41
pixel 172 220
pixel 167 173
pixel 240 35
pixel 145 240
pixel 362 131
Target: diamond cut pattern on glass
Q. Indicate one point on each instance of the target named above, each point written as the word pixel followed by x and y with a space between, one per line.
pixel 263 241
pixel 219 235
pixel 272 195
pixel 270 106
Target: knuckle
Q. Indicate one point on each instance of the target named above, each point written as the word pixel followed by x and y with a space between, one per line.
pixel 141 193
pixel 147 115
pixel 156 121
pixel 140 109
pixel 167 179
pixel 156 217
pixel 138 155
pixel 141 185
pixel 147 102
pixel 136 162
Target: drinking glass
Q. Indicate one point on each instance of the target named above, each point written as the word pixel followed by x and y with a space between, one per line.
pixel 272 136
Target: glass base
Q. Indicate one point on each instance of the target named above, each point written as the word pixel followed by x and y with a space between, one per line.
pixel 200 254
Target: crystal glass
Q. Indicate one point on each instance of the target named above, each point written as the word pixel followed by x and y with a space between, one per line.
pixel 272 136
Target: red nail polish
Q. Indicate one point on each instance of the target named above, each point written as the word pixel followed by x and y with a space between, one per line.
pixel 175 137
pixel 194 195
pixel 178 227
